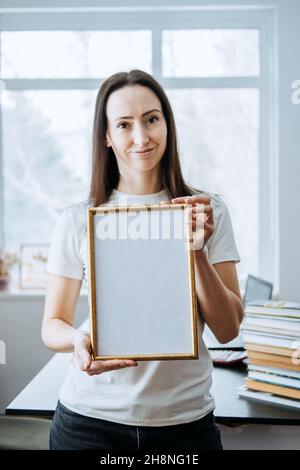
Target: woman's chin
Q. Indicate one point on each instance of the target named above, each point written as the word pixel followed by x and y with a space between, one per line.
pixel 146 165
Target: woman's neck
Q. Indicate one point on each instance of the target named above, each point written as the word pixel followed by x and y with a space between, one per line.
pixel 139 187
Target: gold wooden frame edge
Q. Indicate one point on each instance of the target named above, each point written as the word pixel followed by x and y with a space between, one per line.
pixel 193 295
pixel 137 207
pixel 192 290
pixel 91 252
pixel 149 357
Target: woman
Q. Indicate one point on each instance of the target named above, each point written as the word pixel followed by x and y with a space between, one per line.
pixel 119 404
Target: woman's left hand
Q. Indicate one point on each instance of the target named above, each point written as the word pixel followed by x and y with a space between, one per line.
pixel 201 217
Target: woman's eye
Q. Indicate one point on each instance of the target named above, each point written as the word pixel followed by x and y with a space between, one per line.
pixel 122 125
pixel 153 117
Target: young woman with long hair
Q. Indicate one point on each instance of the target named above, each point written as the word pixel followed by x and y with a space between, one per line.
pixel 116 404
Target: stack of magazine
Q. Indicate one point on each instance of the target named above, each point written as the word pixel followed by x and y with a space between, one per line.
pixel 271 333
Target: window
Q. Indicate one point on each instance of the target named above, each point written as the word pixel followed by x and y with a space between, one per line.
pixel 211 68
pixel 218 135
pixel 218 53
pixel 73 54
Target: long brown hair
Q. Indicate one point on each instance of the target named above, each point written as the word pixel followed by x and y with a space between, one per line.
pixel 105 172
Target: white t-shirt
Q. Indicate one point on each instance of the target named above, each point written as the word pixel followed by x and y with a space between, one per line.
pixel 155 393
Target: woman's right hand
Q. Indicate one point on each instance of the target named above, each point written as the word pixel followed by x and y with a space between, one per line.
pixel 82 353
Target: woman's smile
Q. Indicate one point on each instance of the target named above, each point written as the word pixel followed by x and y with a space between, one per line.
pixel 141 153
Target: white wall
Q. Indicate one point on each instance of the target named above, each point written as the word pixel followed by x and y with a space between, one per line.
pixel 20 326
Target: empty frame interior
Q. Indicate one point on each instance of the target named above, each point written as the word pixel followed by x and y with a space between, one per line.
pixel 142 285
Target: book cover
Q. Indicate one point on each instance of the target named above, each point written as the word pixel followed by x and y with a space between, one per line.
pixel 275 389
pixel 271 349
pixel 281 304
pixel 274 379
pixel 269 339
pixel 283 309
pixel 267 329
pixel 274 370
pixel 273 360
pixel 273 322
pixel 268 398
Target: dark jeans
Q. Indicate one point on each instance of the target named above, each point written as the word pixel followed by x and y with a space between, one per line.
pixel 72 431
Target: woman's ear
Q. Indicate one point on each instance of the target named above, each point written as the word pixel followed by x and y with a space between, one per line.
pixel 107 141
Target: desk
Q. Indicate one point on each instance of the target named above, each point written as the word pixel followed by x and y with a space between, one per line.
pixel 39 397
pixel 244 424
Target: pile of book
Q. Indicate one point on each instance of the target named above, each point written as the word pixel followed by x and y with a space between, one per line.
pixel 271 333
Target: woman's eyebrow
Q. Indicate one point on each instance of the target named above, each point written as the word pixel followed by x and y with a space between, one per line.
pixel 144 114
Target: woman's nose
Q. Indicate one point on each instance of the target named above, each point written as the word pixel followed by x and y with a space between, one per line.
pixel 140 135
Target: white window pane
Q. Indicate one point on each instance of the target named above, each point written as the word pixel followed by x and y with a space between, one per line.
pixel 210 53
pixel 46 155
pixel 78 54
pixel 218 134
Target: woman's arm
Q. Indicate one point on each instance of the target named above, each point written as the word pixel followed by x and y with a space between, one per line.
pixel 219 296
pixel 62 293
pixel 58 332
pixel 217 287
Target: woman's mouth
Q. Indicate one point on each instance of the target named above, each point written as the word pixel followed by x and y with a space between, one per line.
pixel 145 152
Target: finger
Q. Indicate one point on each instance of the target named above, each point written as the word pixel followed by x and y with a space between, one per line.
pixel 103 366
pixel 83 358
pixel 200 226
pixel 102 370
pixel 119 362
pixel 198 240
pixel 203 208
pixel 200 220
pixel 164 202
pixel 204 221
pixel 192 225
pixel 202 213
pixel 209 229
pixel 88 362
pixel 199 217
pixel 178 200
pixel 199 199
pixel 192 199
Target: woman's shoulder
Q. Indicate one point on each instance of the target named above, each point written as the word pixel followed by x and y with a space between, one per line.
pixel 76 215
pixel 78 207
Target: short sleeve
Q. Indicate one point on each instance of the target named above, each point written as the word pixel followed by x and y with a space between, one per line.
pixel 222 246
pixel 64 259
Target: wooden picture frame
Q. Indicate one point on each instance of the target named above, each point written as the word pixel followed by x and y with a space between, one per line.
pixel 142 283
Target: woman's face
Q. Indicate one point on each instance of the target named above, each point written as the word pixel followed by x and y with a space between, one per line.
pixel 136 123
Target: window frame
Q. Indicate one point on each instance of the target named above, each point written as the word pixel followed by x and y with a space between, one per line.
pixel 158 19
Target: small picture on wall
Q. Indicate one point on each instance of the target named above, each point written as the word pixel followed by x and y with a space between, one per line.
pixel 33 266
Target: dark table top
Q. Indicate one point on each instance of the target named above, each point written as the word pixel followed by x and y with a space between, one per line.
pixel 39 397
pixel 231 409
